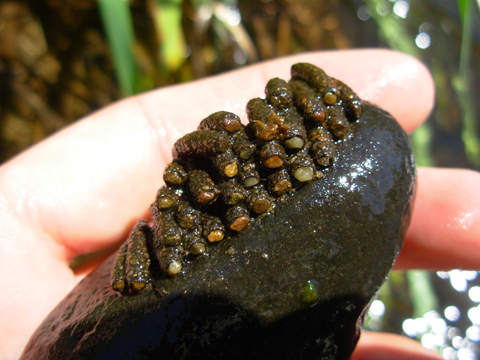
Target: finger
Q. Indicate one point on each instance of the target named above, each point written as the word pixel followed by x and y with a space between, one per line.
pixel 381 346
pixel 88 184
pixel 34 279
pixel 445 228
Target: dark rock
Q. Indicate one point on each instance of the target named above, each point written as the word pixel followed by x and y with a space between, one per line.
pixel 293 285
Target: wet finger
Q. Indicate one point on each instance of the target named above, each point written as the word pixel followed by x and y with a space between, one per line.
pixel 445 229
pixel 373 346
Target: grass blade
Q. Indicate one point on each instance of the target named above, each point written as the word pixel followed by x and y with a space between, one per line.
pixel 462 86
pixel 167 16
pixel 118 25
pixel 422 292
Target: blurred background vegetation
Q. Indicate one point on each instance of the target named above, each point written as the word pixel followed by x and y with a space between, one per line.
pixel 63 59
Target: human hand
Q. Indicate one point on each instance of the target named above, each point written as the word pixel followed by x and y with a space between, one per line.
pixel 84 188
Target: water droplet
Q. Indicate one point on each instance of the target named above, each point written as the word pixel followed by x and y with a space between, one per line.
pixel 428 341
pixel 473 333
pixel 383 8
pixel 409 327
pixel 421 325
pixel 474 293
pixel 364 13
pixel 458 280
pixel 443 274
pixel 401 8
pixel 439 326
pixel 449 353
pixel 466 354
pixel 474 315
pixel 453 332
pixel 452 313
pixel 457 342
pixel 240 57
pixel 425 27
pixel 470 274
pixel 423 40
pixel 377 309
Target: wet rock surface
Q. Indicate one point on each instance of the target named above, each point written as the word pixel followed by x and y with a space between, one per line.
pixel 293 284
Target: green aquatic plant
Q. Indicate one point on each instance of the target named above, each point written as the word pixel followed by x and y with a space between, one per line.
pixel 118 25
pixel 167 17
pixel 463 86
